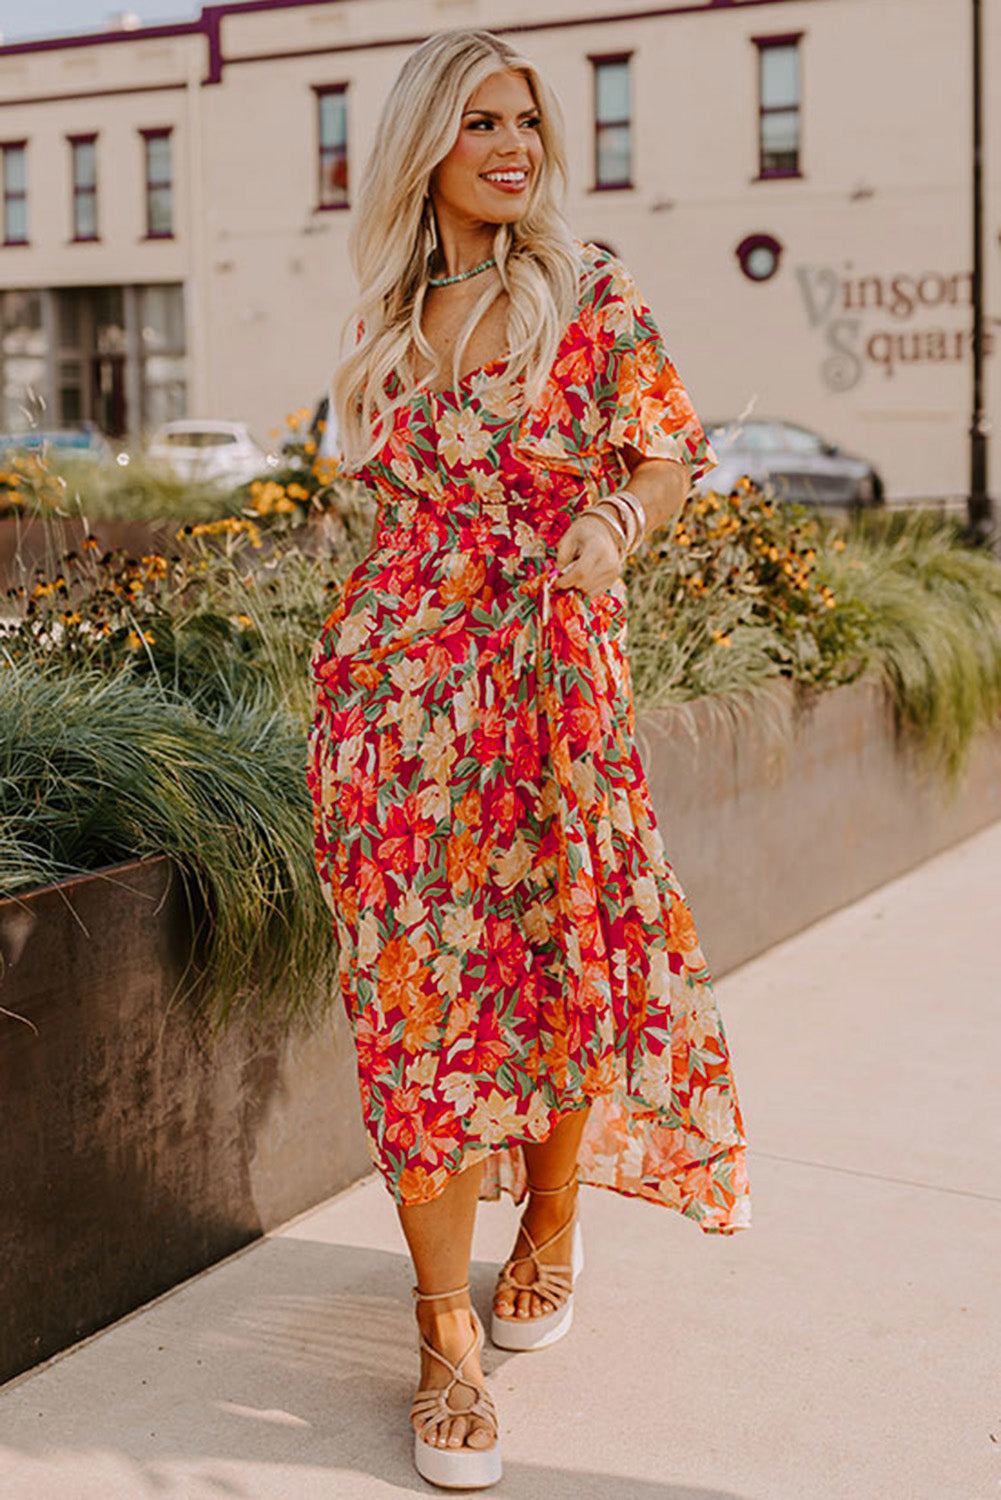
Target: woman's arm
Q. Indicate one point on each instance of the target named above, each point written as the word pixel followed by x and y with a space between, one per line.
pixel 660 485
pixel 586 552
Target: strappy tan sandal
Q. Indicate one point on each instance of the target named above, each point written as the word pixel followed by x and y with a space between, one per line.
pixel 454 1468
pixel 553 1282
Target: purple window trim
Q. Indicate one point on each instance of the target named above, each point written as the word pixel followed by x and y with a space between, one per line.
pixel 598 60
pixel 325 153
pixel 778 174
pixel 157 133
pixel 778 39
pixel 18 196
pixel 82 192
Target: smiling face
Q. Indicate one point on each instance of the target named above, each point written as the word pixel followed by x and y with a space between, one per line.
pixel 488 176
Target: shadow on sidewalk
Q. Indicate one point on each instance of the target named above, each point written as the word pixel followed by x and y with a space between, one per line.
pixel 299 1354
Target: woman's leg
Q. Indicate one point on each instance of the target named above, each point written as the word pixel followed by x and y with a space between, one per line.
pixel 440 1237
pixel 550 1164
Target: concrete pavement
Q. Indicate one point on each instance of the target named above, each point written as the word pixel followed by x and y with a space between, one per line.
pixel 848 1345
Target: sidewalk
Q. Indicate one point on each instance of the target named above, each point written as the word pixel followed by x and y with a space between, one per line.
pixel 847 1347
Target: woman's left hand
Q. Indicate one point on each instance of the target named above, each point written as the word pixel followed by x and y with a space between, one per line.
pixel 587 556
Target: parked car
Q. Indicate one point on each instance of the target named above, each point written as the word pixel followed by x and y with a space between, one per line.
pixel 209 452
pixel 796 463
pixel 85 441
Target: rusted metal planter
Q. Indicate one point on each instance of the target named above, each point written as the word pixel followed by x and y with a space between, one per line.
pixel 136 1149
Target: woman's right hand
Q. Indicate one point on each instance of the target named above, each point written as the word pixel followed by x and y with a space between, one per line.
pixel 587 556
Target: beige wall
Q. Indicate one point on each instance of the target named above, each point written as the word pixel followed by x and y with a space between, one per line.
pixel 884 195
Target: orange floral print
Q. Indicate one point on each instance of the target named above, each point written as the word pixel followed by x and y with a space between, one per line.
pixel 513 942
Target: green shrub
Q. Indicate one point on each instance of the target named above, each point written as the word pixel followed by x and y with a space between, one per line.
pixel 97 768
pixel 160 704
pixel 733 593
pixel 934 627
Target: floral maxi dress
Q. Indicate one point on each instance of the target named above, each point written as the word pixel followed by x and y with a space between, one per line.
pixel 512 941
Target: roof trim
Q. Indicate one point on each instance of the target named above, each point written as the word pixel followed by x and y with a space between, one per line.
pixel 208 24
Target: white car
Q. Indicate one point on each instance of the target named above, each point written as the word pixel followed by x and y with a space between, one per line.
pixel 209 452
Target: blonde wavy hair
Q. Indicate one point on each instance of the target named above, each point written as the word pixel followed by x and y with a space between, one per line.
pixel 393 236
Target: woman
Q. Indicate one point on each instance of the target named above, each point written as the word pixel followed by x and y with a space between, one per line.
pixel 528 998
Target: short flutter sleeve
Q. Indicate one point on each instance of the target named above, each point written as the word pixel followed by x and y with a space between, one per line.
pixel 640 397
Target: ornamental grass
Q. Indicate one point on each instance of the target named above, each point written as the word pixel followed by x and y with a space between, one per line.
pixel 97 768
pixel 159 704
pixel 933 627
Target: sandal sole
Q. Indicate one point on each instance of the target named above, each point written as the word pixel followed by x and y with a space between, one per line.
pixel 457 1469
pixel 525 1335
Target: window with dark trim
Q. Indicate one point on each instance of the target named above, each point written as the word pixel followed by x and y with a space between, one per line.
pixel 83 149
pixel 15 192
pixel 778 105
pixel 332 138
pixel 613 147
pixel 158 170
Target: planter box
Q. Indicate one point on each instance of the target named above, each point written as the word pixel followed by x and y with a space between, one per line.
pixel 30 542
pixel 138 1151
pixel 779 813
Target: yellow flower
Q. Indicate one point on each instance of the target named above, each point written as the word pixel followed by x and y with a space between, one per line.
pixel 244 622
pixel 494 1118
pixel 720 638
pixel 463 439
pixel 838 544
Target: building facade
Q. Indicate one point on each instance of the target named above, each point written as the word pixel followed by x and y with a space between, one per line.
pixel 789 181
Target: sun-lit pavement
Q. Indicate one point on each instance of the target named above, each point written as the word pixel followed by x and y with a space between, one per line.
pixel 848 1345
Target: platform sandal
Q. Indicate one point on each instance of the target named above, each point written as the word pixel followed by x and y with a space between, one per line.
pixel 555 1283
pixel 454 1468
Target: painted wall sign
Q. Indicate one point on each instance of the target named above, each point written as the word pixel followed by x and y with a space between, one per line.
pixel 844 306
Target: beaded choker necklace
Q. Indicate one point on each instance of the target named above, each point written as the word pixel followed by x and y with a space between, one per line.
pixel 484 265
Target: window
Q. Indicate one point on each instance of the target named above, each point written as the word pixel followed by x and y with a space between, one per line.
pixel 332 107
pixel 163 352
pixel 613 153
pixel 84 153
pixel 159 184
pixel 15 193
pixel 778 105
